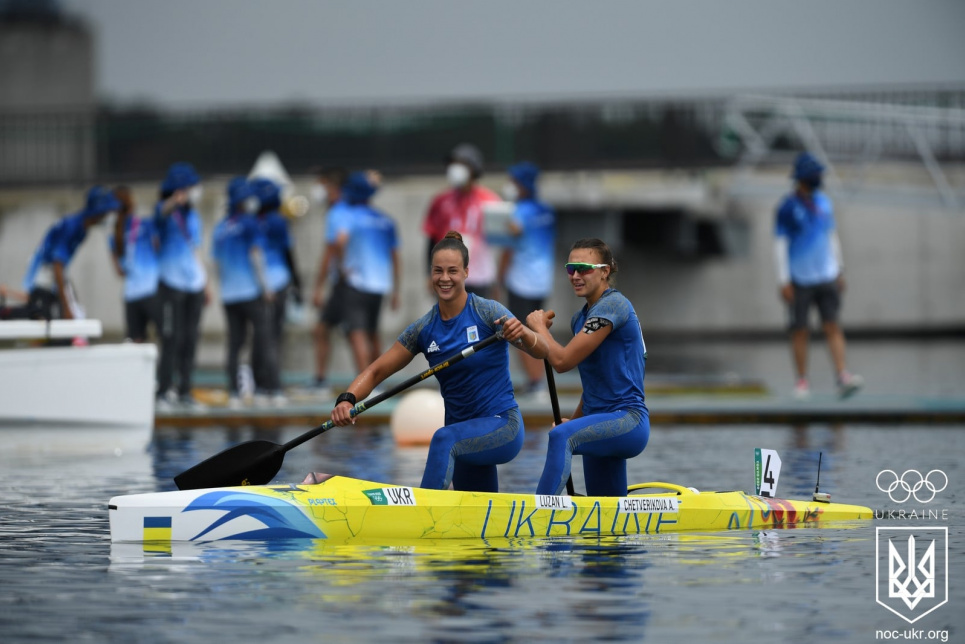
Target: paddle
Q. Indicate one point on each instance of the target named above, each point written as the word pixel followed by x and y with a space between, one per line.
pixel 257 462
pixel 557 417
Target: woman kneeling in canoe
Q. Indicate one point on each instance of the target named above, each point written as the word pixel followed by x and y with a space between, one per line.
pixel 483 424
pixel 611 423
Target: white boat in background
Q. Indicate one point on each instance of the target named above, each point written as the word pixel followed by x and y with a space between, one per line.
pixel 105 386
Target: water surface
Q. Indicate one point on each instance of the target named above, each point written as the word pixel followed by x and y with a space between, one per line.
pixel 61 579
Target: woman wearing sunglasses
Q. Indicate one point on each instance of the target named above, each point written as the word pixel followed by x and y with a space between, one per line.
pixel 611 422
pixel 483 425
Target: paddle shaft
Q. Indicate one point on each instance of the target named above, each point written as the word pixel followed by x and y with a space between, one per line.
pixel 557 417
pixel 372 402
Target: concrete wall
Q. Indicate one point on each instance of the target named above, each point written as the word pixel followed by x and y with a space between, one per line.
pixel 905 267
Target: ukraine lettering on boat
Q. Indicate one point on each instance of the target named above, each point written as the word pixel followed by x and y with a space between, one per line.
pixel 551 502
pixel 647 504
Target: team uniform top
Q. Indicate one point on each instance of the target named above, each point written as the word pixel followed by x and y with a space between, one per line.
pixel 180 234
pixel 139 263
pixel 233 239
pixel 372 238
pixel 612 375
pixel 808 227
pixel 472 388
pixel 456 210
pixel 58 246
pixel 276 242
pixel 530 272
pixel 335 219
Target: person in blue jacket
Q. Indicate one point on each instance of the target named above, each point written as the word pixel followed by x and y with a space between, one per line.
pixel 810 272
pixel 368 245
pixel 526 267
pixel 281 276
pixel 50 293
pixel 133 245
pixel 611 423
pixel 183 281
pixel 237 250
pixel 483 425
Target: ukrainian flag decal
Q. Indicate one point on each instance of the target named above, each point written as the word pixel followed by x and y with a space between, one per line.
pixel 157 528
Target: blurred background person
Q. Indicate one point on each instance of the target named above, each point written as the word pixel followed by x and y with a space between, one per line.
pixel 183 282
pixel 49 290
pixel 810 272
pixel 133 245
pixel 281 276
pixel 526 267
pixel 237 251
pixel 329 291
pixel 368 244
pixel 461 208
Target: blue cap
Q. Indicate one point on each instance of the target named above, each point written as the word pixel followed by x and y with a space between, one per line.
pixel 267 191
pixel 239 189
pixel 525 174
pixel 100 200
pixel 357 188
pixel 180 175
pixel 807 167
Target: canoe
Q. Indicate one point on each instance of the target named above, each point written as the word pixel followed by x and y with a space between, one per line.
pixel 347 509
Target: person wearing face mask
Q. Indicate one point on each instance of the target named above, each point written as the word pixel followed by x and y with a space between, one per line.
pixel 460 207
pixel 368 244
pixel 50 293
pixel 810 272
pixel 526 267
pixel 183 282
pixel 133 245
pixel 611 423
pixel 281 277
pixel 329 292
pixel 237 249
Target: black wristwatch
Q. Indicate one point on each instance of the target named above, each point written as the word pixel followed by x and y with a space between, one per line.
pixel 346 396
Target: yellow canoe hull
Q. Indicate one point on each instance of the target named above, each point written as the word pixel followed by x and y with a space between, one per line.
pixel 346 509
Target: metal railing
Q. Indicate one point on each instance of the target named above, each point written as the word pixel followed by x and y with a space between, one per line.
pixel 111 144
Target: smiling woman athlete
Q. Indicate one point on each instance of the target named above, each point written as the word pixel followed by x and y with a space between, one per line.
pixel 611 422
pixel 483 424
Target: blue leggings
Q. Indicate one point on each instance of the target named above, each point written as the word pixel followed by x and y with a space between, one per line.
pixel 605 441
pixel 466 453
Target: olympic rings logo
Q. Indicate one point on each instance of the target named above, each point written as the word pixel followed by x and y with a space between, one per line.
pixel 910 488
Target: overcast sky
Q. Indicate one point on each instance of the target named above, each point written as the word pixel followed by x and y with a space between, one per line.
pixel 184 53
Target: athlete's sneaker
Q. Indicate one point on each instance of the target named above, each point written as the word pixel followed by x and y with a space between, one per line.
pixel 190 403
pixel 849 383
pixel 165 402
pixel 802 390
pixel 321 389
pixel 261 399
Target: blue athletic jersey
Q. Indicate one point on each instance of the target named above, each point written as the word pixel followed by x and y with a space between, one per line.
pixel 58 245
pixel 479 385
pixel 276 242
pixel 372 238
pixel 808 228
pixel 180 235
pixel 612 375
pixel 140 263
pixel 232 241
pixel 530 272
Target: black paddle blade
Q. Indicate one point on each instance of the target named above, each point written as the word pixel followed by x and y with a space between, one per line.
pixel 249 463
